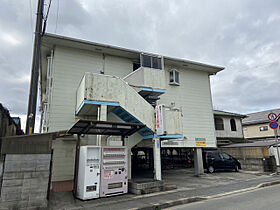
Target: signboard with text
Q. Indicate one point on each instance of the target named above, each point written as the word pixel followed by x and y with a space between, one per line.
pixel 160 120
pixel 200 142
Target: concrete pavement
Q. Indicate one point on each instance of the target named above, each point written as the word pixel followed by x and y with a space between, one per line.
pixel 190 189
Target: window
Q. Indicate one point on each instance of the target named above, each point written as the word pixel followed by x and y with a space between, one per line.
pixel 232 125
pixel 174 77
pixel 225 156
pixel 263 128
pixel 219 123
pixel 136 66
pixel 151 61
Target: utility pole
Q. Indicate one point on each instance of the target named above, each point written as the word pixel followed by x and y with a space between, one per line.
pixel 31 114
pixel 277 147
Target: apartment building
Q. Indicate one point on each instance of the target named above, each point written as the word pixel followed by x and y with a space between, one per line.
pixel 86 80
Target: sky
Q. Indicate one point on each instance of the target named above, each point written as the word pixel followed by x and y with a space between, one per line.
pixel 242 36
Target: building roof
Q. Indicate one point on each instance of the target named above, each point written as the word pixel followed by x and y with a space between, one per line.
pixel 259 117
pixel 49 41
pixel 223 113
pixel 253 144
pixel 6 114
pixel 16 120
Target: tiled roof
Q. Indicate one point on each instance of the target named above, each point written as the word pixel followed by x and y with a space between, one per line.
pixel 259 117
pixel 219 112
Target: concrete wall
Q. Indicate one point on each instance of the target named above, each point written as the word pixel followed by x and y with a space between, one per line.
pixel 252 158
pixel 108 88
pixel 227 132
pixel 147 77
pixel 193 95
pixel 253 131
pixel 25 181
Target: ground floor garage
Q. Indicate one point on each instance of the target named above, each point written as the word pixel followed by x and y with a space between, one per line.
pixel 171 158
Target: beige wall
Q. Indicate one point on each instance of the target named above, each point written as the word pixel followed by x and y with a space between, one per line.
pixel 253 131
pixel 227 128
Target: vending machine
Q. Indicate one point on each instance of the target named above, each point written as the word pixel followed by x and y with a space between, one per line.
pixel 113 180
pixel 88 185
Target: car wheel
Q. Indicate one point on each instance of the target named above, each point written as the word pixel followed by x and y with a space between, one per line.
pixel 211 169
pixel 236 168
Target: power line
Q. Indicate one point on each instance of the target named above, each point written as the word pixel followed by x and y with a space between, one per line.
pixel 31 17
pixel 57 10
pixel 46 18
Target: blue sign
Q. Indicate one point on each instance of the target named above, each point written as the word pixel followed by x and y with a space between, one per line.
pixel 273 125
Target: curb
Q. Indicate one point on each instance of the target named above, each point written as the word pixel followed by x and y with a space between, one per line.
pixel 197 199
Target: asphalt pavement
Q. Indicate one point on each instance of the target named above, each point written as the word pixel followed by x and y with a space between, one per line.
pixel 258 199
pixel 190 189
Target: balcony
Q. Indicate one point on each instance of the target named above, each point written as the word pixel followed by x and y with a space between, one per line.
pixel 147 81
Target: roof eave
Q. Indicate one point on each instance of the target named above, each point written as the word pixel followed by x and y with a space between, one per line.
pixel 54 39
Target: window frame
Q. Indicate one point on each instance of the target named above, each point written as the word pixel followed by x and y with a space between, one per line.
pixel 152 58
pixel 265 128
pixel 173 72
pixel 233 125
pixel 216 124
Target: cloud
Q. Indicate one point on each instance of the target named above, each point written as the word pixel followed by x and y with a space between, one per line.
pixel 241 35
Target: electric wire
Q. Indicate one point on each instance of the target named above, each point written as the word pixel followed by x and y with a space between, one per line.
pixel 46 18
pixel 57 11
pixel 31 19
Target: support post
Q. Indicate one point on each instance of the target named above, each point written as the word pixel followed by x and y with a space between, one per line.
pixel 102 116
pixel 78 144
pixel 125 143
pixel 198 162
pixel 157 159
pixel 277 148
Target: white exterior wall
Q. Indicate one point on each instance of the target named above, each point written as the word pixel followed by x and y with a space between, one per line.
pixel 227 128
pixel 69 66
pixel 193 95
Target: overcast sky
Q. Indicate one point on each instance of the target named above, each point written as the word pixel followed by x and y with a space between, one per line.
pixel 241 35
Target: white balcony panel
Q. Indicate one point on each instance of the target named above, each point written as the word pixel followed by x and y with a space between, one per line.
pixel 96 89
pixel 147 78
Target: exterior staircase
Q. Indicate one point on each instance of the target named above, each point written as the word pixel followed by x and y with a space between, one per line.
pixel 120 98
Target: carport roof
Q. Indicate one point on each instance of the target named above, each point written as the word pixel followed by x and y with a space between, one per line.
pixel 93 127
pixel 253 144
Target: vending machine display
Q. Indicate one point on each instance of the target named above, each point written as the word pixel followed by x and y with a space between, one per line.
pixel 113 180
pixel 89 172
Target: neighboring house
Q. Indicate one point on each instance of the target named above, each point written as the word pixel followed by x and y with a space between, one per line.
pixel 254 156
pixel 256 125
pixel 86 80
pixel 228 127
pixel 8 127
